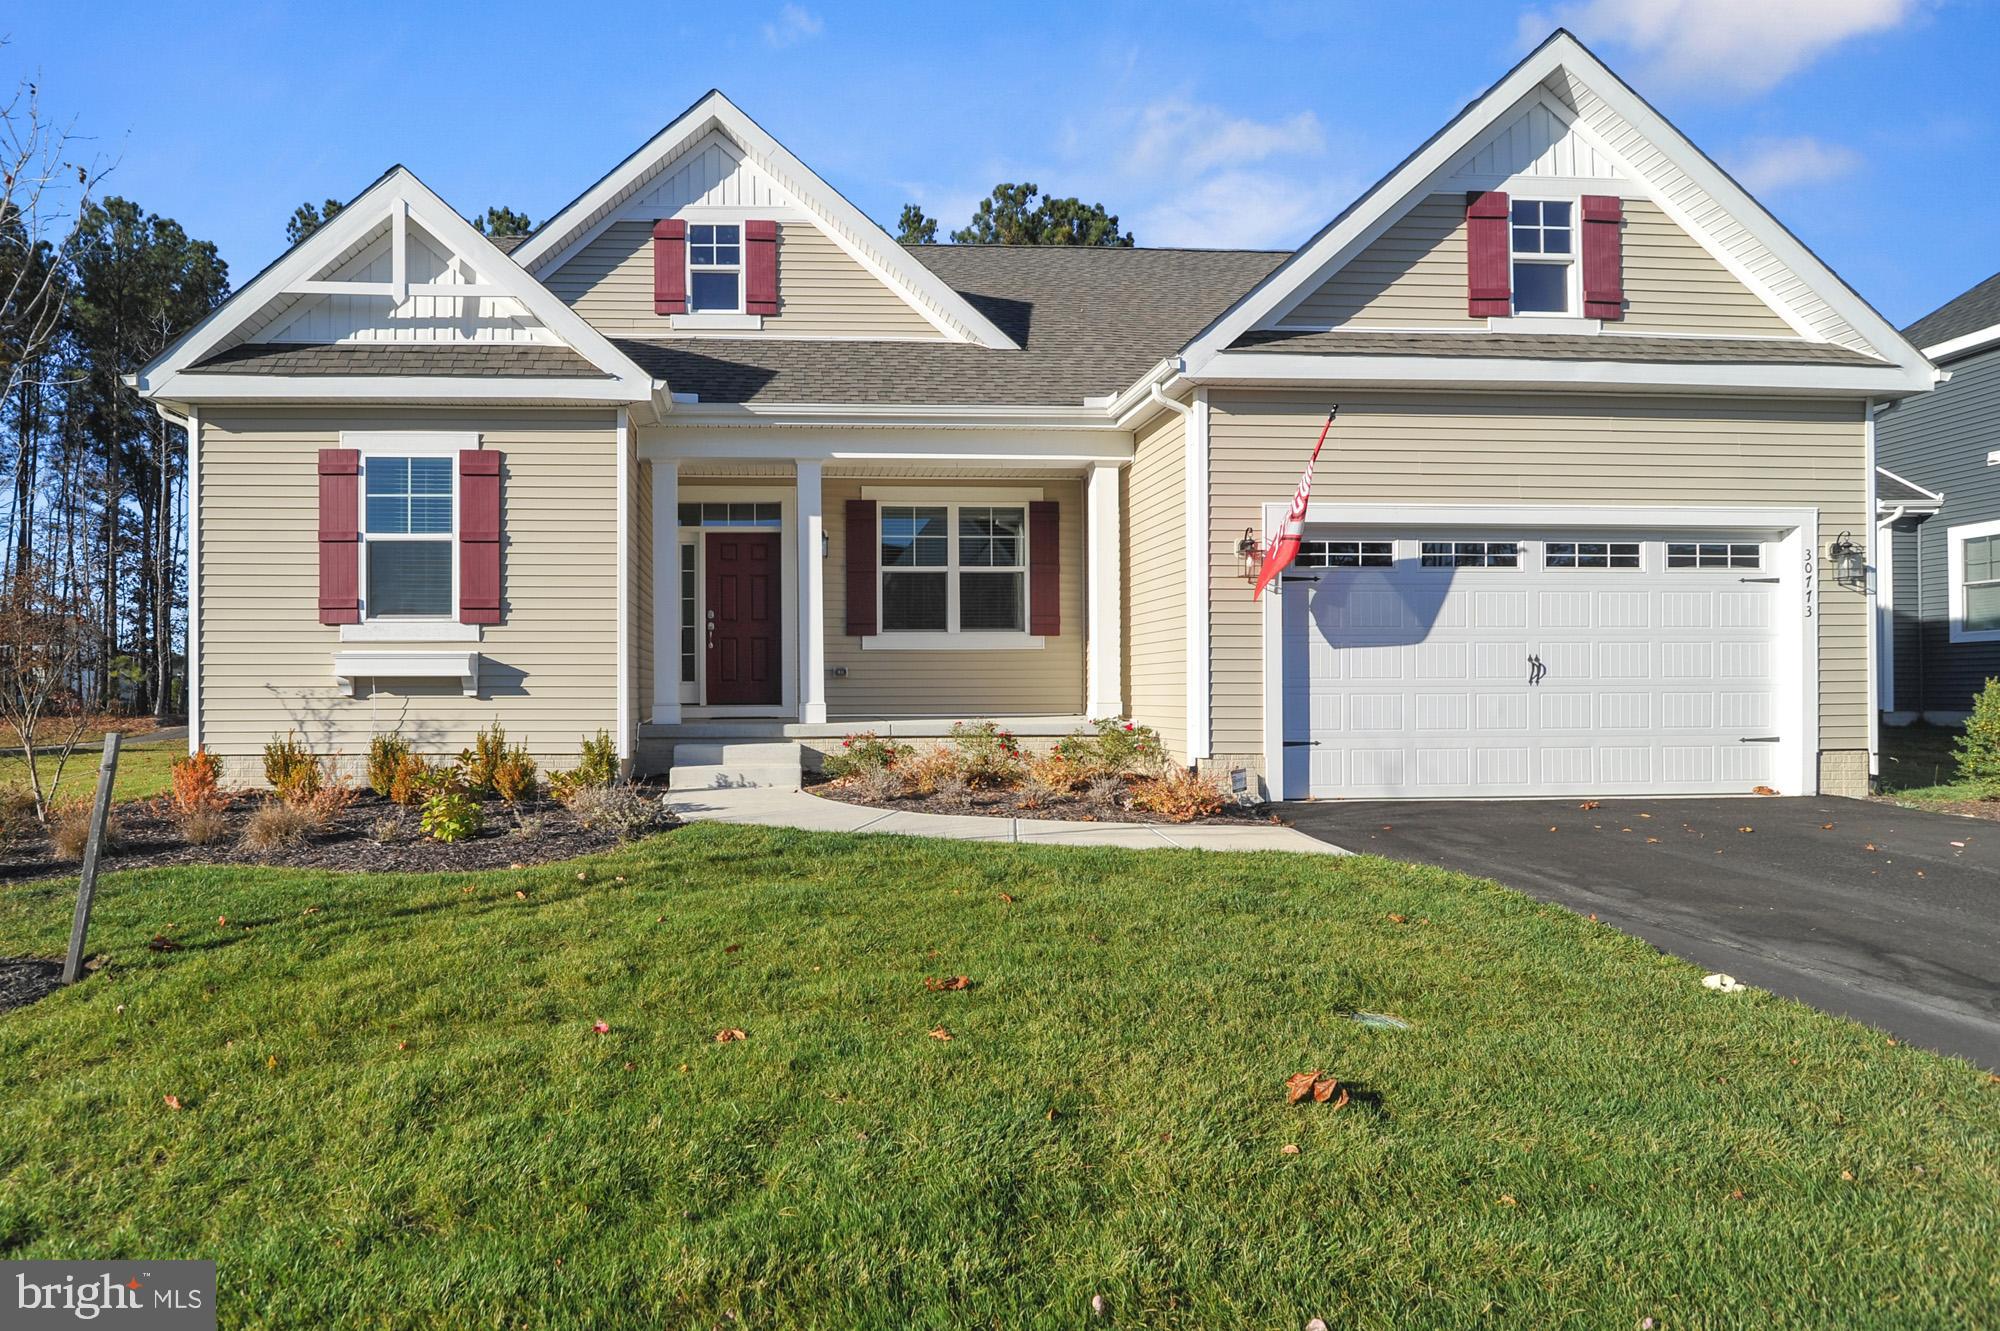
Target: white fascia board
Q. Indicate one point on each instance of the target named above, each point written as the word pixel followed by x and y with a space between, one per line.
pixel 326 388
pixel 902 415
pixel 1934 496
pixel 1021 448
pixel 1560 52
pixel 718 112
pixel 1246 369
pixel 396 193
pixel 1959 346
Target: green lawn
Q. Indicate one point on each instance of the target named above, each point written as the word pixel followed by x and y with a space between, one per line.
pixel 396 1112
pixel 143 768
pixel 1919 766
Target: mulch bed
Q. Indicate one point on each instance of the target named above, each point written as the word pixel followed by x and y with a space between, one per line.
pixel 1987 809
pixel 532 832
pixel 1006 804
pixel 25 979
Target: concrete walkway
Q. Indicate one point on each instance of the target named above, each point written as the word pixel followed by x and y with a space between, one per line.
pixel 792 808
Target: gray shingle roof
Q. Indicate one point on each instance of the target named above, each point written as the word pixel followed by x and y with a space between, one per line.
pixel 473 360
pixel 1089 322
pixel 1976 309
pixel 1891 489
pixel 1556 346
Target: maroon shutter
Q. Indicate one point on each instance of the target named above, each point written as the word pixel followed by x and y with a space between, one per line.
pixel 760 267
pixel 339 536
pixel 478 536
pixel 670 282
pixel 1489 279
pixel 861 555
pixel 1045 568
pixel 1603 257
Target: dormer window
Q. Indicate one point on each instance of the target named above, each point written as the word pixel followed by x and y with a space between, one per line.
pixel 1544 250
pixel 715 268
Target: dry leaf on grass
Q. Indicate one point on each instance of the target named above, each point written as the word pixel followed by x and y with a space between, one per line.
pixel 733 947
pixel 1322 1088
pixel 940 1033
pixel 1398 919
pixel 1290 1148
pixel 172 1101
pixel 519 895
pixel 1007 897
pixel 1746 829
pixel 729 1035
pixel 940 985
pixel 1507 1199
pixel 601 1027
pixel 162 943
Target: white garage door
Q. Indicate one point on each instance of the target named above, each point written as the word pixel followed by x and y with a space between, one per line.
pixel 1489 663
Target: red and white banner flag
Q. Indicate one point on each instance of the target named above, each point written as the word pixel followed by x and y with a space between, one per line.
pixel 1279 554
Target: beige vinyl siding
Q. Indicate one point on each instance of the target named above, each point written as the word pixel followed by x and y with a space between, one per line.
pixel 548 672
pixel 1155 592
pixel 1673 285
pixel 1045 682
pixel 822 291
pixel 639 586
pixel 1480 449
pixel 1413 276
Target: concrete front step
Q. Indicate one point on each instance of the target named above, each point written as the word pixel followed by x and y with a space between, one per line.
pixel 699 752
pixel 734 764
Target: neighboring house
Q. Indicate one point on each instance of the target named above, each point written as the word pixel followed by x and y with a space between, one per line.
pixel 709 454
pixel 1938 577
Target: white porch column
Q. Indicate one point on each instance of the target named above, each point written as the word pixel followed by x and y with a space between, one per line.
pixel 666 592
pixel 812 597
pixel 1103 571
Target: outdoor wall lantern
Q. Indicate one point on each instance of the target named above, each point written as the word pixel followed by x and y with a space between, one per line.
pixel 1251 551
pixel 825 545
pixel 1850 566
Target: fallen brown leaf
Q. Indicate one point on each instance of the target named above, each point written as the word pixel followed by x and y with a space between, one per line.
pixel 1398 919
pixel 1299 1085
pixel 1507 1199
pixel 1289 1148
pixel 940 1033
pixel 1736 1196
pixel 952 985
pixel 1652 841
pixel 1007 897
pixel 1847 1175
pixel 162 943
pixel 1762 790
pixel 172 1102
pixel 733 947
pixel 729 1035
pixel 1588 804
pixel 402 1044
pixel 519 895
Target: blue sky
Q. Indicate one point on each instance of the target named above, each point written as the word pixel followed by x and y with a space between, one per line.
pixel 1868 126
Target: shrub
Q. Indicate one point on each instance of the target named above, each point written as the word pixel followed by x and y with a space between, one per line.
pixel 989 755
pixel 197 784
pixel 290 767
pixel 17 814
pixel 1116 748
pixel 386 830
pixel 1180 795
pixel 327 803
pixel 1055 771
pixel 954 787
pixel 476 765
pixel 925 771
pixel 202 827
pixel 1104 791
pixel 69 830
pixel 451 815
pixel 1978 748
pixel 875 784
pixel 385 759
pixel 277 826
pixel 597 768
pixel 515 775
pixel 417 779
pixel 864 752
pixel 620 808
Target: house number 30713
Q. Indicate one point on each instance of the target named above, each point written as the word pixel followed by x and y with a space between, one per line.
pixel 1811 574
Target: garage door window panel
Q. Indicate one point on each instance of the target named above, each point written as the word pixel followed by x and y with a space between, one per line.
pixel 1346 554
pixel 1715 554
pixel 1471 554
pixel 1591 554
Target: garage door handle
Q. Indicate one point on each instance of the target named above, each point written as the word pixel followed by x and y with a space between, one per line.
pixel 1759 579
pixel 1760 739
pixel 1536 670
pixel 1301 743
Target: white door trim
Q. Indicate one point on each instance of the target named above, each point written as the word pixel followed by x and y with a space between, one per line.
pixel 1795 559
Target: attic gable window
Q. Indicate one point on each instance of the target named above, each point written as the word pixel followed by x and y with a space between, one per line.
pixel 1544 247
pixel 715 268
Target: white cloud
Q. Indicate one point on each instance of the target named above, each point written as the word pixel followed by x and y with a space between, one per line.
pixel 1175 133
pixel 1253 210
pixel 1739 46
pixel 1767 166
pixel 794 24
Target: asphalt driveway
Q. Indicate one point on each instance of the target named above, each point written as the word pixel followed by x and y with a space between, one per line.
pixel 1889 916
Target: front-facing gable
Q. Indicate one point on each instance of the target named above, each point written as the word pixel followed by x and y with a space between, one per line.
pixel 839 273
pixel 1700 258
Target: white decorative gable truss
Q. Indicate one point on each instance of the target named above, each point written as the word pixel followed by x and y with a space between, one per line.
pixel 715 156
pixel 1561 117
pixel 396 267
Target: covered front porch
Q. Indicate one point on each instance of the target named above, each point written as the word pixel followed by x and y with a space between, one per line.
pixel 796 586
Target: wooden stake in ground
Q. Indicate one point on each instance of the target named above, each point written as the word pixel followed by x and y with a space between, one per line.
pixel 100 812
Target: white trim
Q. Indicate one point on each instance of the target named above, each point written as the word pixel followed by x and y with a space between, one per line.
pixel 1011 448
pixel 718 320
pixel 628 729
pixel 1871 584
pixel 411 444
pixel 1958 346
pixel 426 390
pixel 951 501
pixel 1104 611
pixel 951 640
pixel 917 492
pixel 784 493
pixel 1200 726
pixel 410 630
pixel 1561 53
pixel 690 411
pixel 1954 543
pixel 666 592
pixel 1234 368
pixel 1533 323
pixel 194 579
pixel 1795 532
pixel 812 592
pixel 461 666
pixel 398 194
pixel 1924 490
pixel 1885 611
pixel 853 230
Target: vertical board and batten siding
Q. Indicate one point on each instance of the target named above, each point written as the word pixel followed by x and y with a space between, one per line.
pixel 822 291
pixel 1414 276
pixel 1154 523
pixel 1480 449
pixel 372 319
pixel 1047 682
pixel 548 671
pixel 1940 440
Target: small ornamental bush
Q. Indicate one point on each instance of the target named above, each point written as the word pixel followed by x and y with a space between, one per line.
pixel 17 814
pixel 597 767
pixel 621 809
pixel 451 815
pixel 476 764
pixel 325 805
pixel 1116 748
pixel 864 752
pixel 990 756
pixel 1056 773
pixel 925 771
pixel 69 830
pixel 1180 795
pixel 385 758
pixel 291 768
pixel 515 775
pixel 197 784
pixel 1979 747
pixel 417 779
pixel 202 827
pixel 277 826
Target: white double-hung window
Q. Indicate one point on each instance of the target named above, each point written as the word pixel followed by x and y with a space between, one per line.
pixel 715 268
pixel 954 568
pixel 1972 561
pixel 1543 252
pixel 408 513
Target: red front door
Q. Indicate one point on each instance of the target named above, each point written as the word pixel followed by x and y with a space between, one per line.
pixel 742 617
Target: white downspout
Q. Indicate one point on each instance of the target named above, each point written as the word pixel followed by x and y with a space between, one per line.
pixel 1885 613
